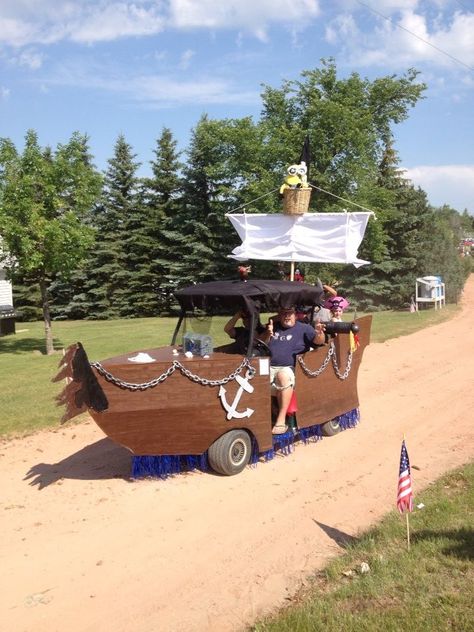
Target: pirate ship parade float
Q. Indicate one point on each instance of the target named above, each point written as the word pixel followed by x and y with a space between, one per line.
pixel 189 405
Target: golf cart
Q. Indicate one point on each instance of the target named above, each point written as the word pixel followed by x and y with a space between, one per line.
pixel 195 405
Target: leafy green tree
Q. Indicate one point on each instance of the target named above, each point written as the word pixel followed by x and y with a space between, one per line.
pixel 440 254
pixel 349 122
pixel 467 224
pixel 45 196
pixel 229 169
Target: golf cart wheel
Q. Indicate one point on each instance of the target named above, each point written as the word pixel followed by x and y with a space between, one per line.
pixel 330 428
pixel 230 453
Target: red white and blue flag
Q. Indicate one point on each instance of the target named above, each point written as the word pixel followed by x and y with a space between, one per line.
pixel 405 493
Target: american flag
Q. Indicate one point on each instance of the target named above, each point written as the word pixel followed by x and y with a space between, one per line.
pixel 405 493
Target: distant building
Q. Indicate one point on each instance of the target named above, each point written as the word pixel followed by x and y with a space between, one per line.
pixel 7 313
pixel 6 293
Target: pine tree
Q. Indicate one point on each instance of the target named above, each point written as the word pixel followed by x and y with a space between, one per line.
pixel 26 299
pixel 440 254
pixel 106 289
pixel 163 201
pixel 389 281
pixel 209 235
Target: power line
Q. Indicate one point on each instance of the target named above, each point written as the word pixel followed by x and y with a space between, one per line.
pixel 440 50
pixel 463 6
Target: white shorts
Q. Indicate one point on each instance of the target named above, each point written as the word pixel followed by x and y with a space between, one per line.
pixel 289 373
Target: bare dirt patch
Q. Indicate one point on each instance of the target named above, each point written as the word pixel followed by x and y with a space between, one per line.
pixel 84 548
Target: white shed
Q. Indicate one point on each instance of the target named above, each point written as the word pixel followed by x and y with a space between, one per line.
pixel 430 289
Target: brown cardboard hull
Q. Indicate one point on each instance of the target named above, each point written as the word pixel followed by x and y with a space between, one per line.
pixel 182 414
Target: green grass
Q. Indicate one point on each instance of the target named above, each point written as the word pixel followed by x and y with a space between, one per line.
pixel 386 325
pixel 27 394
pixel 428 588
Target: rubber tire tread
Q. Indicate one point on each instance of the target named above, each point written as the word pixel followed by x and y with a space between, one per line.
pixel 330 428
pixel 219 453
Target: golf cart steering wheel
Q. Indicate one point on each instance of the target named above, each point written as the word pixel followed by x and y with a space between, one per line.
pixel 260 349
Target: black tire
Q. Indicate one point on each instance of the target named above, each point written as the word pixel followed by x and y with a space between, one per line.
pixel 330 428
pixel 231 453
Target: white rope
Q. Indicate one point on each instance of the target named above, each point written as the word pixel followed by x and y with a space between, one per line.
pixel 364 208
pixel 252 201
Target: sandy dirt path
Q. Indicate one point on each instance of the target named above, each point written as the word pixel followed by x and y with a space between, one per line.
pixel 83 548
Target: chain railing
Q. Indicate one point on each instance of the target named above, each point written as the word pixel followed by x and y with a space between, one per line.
pixel 326 361
pixel 345 375
pixel 331 354
pixel 176 365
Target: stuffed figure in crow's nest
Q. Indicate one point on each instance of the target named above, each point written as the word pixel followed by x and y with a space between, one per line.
pixel 298 174
pixel 297 177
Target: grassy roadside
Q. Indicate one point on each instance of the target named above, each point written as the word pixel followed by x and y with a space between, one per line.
pixel 425 589
pixel 27 394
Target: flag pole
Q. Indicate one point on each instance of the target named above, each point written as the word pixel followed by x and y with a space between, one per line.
pixel 405 492
pixel 408 531
pixel 407 517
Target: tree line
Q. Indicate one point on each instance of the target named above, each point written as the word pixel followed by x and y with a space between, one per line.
pixel 85 244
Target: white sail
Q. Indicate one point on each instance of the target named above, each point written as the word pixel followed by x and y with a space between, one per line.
pixel 312 237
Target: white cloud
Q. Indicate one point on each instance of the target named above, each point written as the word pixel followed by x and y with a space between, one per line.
pixel 383 6
pixel 159 55
pixel 4 93
pixel 395 46
pixel 161 91
pixel 17 33
pixel 30 58
pixel 341 28
pixel 26 22
pixel 153 90
pixel 118 19
pixel 458 39
pixel 186 59
pixel 446 184
pixel 240 14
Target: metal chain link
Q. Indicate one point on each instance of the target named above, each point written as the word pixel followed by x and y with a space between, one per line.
pixel 129 385
pixel 225 380
pixel 323 365
pixel 330 354
pixel 161 378
pixel 345 375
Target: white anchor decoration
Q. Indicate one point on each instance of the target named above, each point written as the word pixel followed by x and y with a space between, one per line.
pixel 244 385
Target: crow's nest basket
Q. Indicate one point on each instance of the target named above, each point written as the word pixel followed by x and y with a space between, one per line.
pixel 296 201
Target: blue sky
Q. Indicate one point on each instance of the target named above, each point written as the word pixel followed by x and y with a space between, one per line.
pixel 105 67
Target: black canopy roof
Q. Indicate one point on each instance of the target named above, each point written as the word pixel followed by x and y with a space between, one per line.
pixel 253 295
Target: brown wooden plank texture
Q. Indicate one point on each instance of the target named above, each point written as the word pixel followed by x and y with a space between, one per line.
pixel 322 398
pixel 179 415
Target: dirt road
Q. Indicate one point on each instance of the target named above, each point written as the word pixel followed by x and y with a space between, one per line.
pixel 84 549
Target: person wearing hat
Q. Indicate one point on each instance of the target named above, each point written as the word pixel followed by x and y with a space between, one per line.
pixel 323 314
pixel 336 305
pixel 286 337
